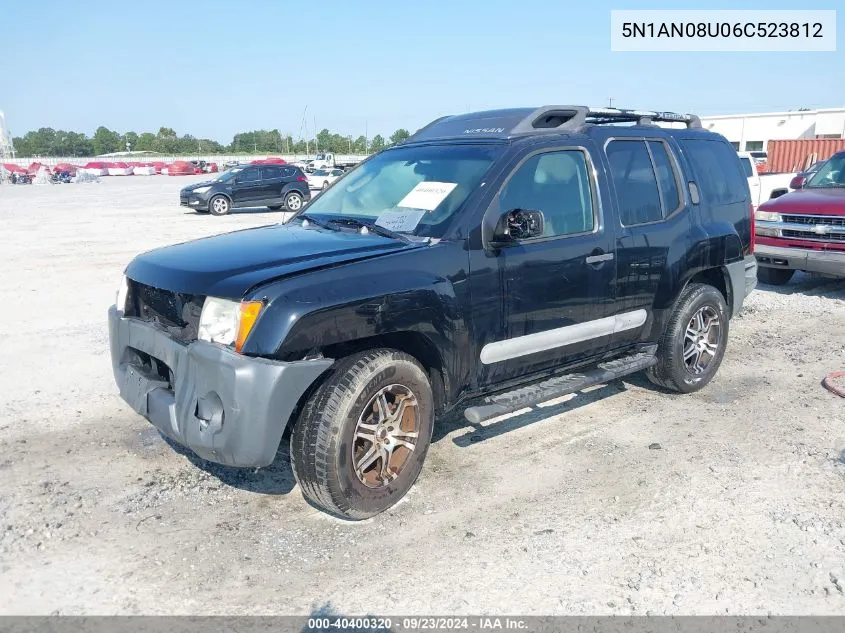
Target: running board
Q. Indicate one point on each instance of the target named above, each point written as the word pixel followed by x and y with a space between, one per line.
pixel 558 386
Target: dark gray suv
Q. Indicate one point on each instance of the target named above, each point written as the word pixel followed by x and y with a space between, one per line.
pixel 272 186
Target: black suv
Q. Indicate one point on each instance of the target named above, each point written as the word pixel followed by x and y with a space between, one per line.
pixel 491 262
pixel 273 186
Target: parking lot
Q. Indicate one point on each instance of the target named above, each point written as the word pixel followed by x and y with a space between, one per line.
pixel 623 499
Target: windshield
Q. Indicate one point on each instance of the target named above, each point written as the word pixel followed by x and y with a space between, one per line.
pixel 414 190
pixel 831 174
pixel 227 175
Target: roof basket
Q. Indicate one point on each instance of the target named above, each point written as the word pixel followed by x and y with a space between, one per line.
pixel 568 118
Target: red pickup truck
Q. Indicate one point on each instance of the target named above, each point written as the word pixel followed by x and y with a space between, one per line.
pixel 804 229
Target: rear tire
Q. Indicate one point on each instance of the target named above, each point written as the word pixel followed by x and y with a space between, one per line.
pixel 367 395
pixel 693 344
pixel 774 276
pixel 219 205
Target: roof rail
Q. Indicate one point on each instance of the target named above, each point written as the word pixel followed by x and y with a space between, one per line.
pixel 568 118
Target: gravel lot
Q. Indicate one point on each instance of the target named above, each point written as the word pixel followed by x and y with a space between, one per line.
pixel 620 500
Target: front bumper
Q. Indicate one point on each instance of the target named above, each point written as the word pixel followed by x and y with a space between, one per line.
pixel 809 260
pixel 192 200
pixel 226 407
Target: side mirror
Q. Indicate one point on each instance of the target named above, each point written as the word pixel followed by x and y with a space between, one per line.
pixel 519 224
pixel 797 182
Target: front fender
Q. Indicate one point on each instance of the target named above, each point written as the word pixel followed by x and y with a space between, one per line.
pixel 419 291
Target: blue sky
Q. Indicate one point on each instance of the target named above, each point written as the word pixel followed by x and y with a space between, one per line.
pixel 213 68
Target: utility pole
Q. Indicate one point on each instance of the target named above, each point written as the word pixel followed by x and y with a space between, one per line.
pixel 610 102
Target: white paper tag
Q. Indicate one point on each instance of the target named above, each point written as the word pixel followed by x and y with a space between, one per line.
pixel 401 221
pixel 427 195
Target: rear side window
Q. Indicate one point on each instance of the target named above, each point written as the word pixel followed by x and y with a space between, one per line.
pixel 667 177
pixel 636 183
pixel 718 173
pixel 271 171
pixel 288 172
pixel 746 166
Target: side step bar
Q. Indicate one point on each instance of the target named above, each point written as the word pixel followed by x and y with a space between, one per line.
pixel 558 386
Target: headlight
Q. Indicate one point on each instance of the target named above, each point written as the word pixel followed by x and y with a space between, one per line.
pixel 201 189
pixel 122 292
pixel 227 322
pixel 767 216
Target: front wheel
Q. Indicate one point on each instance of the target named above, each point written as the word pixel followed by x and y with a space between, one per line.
pixel 219 205
pixel 362 437
pixel 325 185
pixel 293 201
pixel 774 276
pixel 693 344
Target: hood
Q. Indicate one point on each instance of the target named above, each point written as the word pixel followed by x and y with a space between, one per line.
pixel 197 185
pixel 819 201
pixel 230 264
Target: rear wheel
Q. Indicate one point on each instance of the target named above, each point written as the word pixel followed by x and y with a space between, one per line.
pixel 774 276
pixel 293 201
pixel 219 205
pixel 693 344
pixel 362 437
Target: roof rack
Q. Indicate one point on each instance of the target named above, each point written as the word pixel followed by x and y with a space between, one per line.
pixel 547 119
pixel 568 118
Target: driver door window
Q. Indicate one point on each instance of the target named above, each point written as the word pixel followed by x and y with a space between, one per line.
pixel 558 184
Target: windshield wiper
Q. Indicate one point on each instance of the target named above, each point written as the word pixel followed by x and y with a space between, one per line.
pixel 305 217
pixel 375 228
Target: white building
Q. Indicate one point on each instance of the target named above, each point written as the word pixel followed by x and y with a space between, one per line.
pixel 7 150
pixel 752 132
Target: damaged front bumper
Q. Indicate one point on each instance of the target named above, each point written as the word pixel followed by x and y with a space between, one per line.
pixel 226 407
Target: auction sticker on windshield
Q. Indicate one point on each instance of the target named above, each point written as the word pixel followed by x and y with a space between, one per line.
pixel 401 220
pixel 427 195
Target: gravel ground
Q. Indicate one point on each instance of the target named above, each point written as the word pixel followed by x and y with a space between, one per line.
pixel 620 500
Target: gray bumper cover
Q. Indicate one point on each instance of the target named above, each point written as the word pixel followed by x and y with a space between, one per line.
pixel 826 262
pixel 227 408
pixel 743 275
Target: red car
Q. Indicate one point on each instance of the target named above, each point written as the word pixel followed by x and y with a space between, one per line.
pixel 804 229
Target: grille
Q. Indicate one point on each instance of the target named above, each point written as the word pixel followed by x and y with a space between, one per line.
pixel 810 235
pixel 176 312
pixel 829 220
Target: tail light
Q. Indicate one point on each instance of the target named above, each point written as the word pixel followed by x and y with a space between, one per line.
pixel 301 179
pixel 753 230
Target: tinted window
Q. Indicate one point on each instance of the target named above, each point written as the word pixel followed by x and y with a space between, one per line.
pixel 717 170
pixel 288 172
pixel 337 172
pixel 746 166
pixel 667 176
pixel 556 183
pixel 249 175
pixel 636 184
pixel 271 171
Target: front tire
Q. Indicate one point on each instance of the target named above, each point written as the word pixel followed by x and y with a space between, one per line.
pixel 325 185
pixel 293 201
pixel 774 276
pixel 362 437
pixel 693 344
pixel 219 205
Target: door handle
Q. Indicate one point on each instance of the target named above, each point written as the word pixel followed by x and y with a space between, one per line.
pixel 595 259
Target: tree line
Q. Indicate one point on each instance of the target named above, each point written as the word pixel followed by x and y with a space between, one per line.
pixel 49 142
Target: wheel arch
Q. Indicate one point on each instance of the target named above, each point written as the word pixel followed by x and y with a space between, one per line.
pixel 415 344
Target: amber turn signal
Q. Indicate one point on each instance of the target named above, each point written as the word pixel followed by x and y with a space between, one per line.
pixel 249 315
